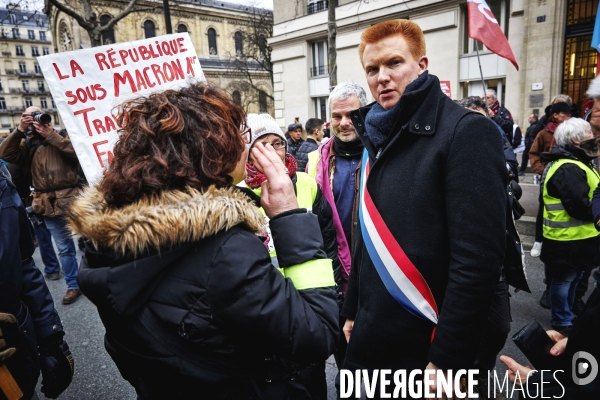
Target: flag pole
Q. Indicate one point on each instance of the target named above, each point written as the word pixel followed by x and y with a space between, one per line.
pixel 480 71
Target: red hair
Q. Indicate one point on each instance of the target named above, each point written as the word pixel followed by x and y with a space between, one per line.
pixel 172 140
pixel 411 32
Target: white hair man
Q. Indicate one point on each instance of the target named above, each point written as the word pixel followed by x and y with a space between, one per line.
pixel 336 168
pixel 499 114
pixel 568 219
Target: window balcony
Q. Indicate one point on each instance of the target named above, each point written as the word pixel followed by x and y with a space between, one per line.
pixel 319 71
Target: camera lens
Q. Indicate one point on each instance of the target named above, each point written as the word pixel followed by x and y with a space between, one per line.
pixel 42 118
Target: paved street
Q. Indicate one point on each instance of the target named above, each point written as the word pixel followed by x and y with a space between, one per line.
pixel 97 378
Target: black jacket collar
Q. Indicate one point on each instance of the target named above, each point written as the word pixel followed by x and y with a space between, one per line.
pixel 425 107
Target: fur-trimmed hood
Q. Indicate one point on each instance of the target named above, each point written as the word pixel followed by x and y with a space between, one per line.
pixel 160 221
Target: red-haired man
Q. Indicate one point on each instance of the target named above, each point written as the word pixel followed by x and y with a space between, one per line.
pixel 431 192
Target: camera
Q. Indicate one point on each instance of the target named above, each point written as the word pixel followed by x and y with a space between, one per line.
pixel 33 217
pixel 41 118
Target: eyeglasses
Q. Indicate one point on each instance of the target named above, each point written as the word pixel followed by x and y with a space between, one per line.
pixel 246 134
pixel 278 145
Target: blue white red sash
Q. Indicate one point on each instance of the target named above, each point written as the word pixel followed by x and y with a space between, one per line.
pixel 400 277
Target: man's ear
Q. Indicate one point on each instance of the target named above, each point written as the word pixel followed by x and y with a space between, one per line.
pixel 423 64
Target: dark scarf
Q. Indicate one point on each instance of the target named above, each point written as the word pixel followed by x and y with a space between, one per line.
pixel 353 148
pixel 380 122
pixel 254 178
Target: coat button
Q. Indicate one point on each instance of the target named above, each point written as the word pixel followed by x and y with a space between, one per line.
pixel 55 327
pixel 427 128
pixel 355 223
pixel 416 126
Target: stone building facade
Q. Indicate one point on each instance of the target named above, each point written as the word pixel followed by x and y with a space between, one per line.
pixel 24 35
pixel 215 28
pixel 550 39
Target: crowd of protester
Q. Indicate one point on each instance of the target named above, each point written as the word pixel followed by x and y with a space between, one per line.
pixel 228 258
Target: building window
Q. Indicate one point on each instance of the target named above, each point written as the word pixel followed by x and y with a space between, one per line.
pixel 5 120
pixel 19 50
pixel 319 59
pixel 315 6
pixel 499 9
pixel 38 69
pixel 53 103
pixel 239 44
pixel 1 88
pixel 580 62
pixel 31 34
pixel 181 28
pixel 42 36
pixel 108 37
pixel 34 51
pixel 237 97
pixel 149 29
pixel 41 86
pixel 15 32
pixel 45 51
pixel 25 84
pixel 13 19
pixel 28 102
pixel 320 108
pixel 262 102
pixel 2 103
pixel 22 67
pixel 43 103
pixel 579 67
pixel 212 42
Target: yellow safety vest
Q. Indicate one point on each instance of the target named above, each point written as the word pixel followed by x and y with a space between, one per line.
pixel 558 224
pixel 313 273
pixel 313 160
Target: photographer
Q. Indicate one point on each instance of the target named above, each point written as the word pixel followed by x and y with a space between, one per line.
pixel 55 180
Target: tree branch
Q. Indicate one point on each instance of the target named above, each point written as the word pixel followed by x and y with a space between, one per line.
pixel 121 15
pixel 72 13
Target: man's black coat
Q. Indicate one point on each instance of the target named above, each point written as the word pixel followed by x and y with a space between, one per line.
pixel 443 197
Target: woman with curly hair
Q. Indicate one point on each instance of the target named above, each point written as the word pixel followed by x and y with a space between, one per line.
pixel 192 306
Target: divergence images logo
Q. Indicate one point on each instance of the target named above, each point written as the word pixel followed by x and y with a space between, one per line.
pixel 584 368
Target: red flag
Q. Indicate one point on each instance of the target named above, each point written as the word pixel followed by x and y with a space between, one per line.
pixel 484 27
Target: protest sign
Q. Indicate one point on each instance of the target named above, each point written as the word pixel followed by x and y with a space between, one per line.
pixel 87 85
pixel 445 85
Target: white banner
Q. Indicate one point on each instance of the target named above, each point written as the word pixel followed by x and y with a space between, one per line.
pixel 88 84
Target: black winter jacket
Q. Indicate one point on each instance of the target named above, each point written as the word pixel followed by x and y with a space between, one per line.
pixel 293 147
pixel 23 291
pixel 208 315
pixel 504 119
pixel 569 184
pixel 323 211
pixel 308 146
pixel 443 196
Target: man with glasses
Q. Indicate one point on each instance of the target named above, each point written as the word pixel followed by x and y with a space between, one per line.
pixel 55 179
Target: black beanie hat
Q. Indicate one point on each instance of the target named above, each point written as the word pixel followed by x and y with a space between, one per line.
pixel 560 107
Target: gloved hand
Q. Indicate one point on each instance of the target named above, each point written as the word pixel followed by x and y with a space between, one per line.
pixel 57 365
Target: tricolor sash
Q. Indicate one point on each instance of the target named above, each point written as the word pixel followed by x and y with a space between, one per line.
pixel 400 277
